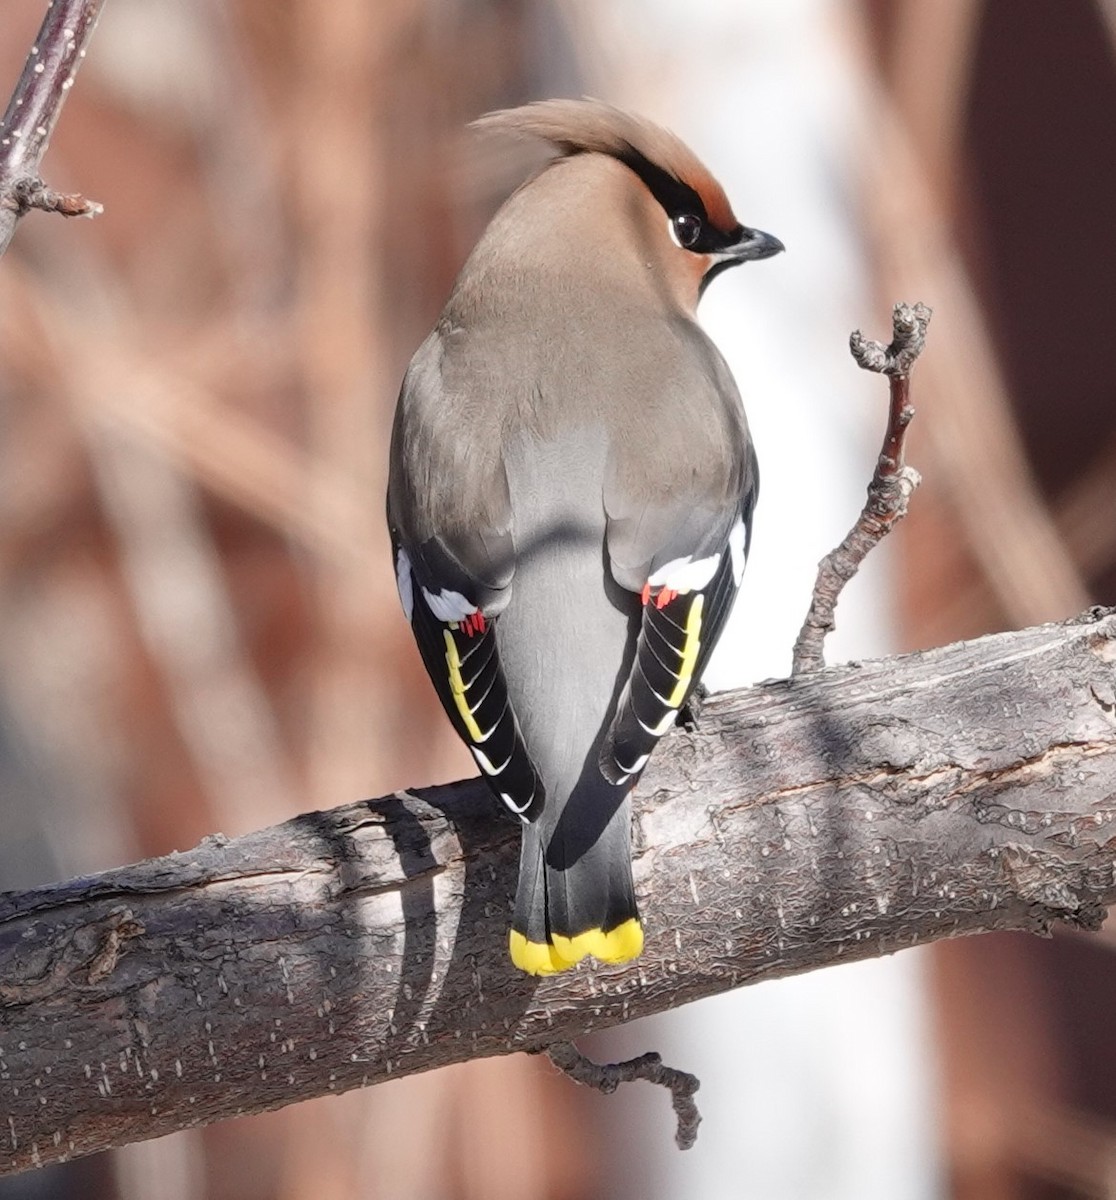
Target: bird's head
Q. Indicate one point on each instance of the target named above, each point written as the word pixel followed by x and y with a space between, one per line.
pixel 679 215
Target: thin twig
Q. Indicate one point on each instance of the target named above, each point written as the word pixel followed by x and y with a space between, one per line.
pixel 891 486
pixel 607 1077
pixel 32 113
pixel 26 194
pixel 888 494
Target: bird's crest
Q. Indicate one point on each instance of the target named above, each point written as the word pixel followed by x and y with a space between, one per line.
pixel 663 161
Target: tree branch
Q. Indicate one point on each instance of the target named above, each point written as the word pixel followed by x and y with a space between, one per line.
pixel 33 111
pixel 607 1077
pixel 836 816
pixel 889 490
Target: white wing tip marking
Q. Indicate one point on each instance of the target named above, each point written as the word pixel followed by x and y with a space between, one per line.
pixel 485 763
pixel 635 768
pixel 405 583
pixel 448 605
pixel 662 726
pixel 518 809
pixel 685 574
pixel 737 539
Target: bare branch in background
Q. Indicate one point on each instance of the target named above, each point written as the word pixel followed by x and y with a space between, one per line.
pixel 890 488
pixel 33 112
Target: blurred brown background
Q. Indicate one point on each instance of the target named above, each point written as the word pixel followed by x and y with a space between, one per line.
pixel 199 624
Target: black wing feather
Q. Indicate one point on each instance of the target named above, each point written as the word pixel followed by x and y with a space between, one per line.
pixel 464 666
pixel 675 640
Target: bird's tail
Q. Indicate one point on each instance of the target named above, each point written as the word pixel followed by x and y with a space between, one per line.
pixel 575 896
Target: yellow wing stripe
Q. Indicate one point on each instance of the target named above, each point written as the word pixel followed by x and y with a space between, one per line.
pixel 561 953
pixel 457 687
pixel 689 652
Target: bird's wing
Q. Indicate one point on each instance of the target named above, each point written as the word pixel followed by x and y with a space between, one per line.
pixel 685 555
pixel 454 563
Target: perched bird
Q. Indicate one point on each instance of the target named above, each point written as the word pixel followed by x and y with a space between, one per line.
pixel 570 500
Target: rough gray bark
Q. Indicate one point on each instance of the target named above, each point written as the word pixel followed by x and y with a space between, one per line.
pixel 840 815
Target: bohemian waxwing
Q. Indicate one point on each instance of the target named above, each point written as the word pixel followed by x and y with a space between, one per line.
pixel 570 500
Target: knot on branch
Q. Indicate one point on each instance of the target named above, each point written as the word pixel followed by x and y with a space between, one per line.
pixel 1040 878
pixel 908 326
pixel 86 955
pixel 28 193
pixel 889 494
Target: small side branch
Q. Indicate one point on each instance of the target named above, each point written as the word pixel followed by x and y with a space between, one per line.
pixel 27 194
pixel 890 490
pixel 607 1077
pixel 33 111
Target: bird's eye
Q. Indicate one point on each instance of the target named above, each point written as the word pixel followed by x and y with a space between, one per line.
pixel 687 230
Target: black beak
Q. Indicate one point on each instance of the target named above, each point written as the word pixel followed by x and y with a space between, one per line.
pixel 744 245
pixel 752 244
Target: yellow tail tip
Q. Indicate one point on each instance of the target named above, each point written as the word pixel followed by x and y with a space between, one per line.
pixel 618 945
